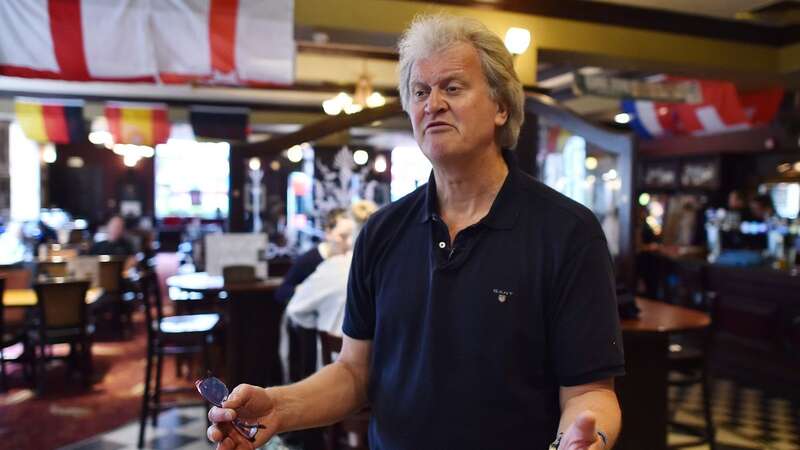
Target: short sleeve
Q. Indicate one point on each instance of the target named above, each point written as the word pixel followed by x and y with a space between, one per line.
pixel 584 329
pixel 359 317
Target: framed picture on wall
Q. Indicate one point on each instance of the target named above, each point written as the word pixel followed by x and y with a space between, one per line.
pixel 659 174
pixel 700 173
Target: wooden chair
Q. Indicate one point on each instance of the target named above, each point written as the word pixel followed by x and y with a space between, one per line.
pixel 55 268
pixel 110 310
pixel 350 433
pixel 302 364
pixel 239 274
pixel 12 331
pixel 18 278
pixel 688 360
pixel 62 318
pixel 182 335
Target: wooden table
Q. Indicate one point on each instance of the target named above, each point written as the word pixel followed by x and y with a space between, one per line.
pixel 202 286
pixel 643 390
pixel 26 298
pixel 252 319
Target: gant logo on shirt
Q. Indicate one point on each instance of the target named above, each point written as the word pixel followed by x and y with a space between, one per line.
pixel 502 295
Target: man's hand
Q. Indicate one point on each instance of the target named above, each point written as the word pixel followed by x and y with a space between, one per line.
pixel 251 405
pixel 582 434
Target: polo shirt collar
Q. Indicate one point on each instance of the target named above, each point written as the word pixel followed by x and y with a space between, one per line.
pixel 505 208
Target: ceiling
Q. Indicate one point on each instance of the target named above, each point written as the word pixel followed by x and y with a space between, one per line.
pixel 721 9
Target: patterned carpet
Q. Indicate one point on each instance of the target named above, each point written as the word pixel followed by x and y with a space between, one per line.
pixel 68 412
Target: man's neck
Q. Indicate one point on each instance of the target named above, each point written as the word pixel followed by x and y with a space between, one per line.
pixel 466 190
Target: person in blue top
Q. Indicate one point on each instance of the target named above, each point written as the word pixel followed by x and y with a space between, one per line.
pixel 481 310
pixel 338 228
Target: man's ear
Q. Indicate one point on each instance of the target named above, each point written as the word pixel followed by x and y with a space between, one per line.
pixel 501 117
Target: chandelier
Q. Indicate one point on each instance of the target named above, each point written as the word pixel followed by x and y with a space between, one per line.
pixel 363 97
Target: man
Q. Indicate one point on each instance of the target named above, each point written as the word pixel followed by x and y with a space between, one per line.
pixel 115 242
pixel 338 228
pixel 481 310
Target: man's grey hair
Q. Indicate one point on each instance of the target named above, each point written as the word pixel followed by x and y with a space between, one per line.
pixel 430 34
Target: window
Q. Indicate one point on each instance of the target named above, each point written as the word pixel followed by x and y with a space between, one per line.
pixel 192 179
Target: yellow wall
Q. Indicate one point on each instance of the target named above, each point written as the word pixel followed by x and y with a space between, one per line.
pixel 790 59
pixel 597 40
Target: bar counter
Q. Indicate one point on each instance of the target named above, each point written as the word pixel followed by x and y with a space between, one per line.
pixel 755 312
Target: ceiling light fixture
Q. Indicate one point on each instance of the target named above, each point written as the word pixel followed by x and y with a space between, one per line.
pixel 517 40
pixel 363 97
pixel 622 118
pixel 380 164
pixel 360 157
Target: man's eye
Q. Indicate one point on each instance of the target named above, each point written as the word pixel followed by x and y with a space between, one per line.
pixel 453 89
pixel 419 93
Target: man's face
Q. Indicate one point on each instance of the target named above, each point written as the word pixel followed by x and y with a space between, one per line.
pixel 340 237
pixel 451 110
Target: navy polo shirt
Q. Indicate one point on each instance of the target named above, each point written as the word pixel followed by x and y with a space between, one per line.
pixel 472 339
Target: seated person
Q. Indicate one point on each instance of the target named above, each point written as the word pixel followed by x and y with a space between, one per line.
pixel 338 228
pixel 115 243
pixel 319 301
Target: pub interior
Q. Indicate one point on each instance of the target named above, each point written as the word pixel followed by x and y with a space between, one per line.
pixel 173 174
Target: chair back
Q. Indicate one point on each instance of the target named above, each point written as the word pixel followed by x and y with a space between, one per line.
pixel 84 267
pixel 151 298
pixel 17 278
pixel 239 274
pixel 109 274
pixel 62 304
pixel 76 236
pixel 2 309
pixel 56 268
pixel 331 346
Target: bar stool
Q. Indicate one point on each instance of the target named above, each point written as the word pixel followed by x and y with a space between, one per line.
pixel 180 335
pixel 688 359
pixel 239 274
pixel 350 433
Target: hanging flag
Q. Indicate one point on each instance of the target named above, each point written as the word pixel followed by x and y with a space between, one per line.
pixel 138 123
pixel 722 109
pixel 719 111
pixel 59 121
pixel 220 122
pixel 761 106
pixel 650 119
pixel 237 42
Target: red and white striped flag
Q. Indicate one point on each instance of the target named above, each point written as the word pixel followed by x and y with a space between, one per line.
pixel 235 42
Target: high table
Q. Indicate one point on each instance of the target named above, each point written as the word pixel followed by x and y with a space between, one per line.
pixel 643 390
pixel 211 285
pixel 251 318
pixel 26 298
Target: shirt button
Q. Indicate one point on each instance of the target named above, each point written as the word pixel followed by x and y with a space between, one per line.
pixel 442 244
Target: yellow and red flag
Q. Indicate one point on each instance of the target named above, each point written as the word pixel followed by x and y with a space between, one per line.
pixel 59 121
pixel 138 123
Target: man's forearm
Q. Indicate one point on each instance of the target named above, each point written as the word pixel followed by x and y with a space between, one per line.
pixel 326 397
pixel 603 402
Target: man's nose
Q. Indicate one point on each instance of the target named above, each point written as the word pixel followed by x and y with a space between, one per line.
pixel 435 103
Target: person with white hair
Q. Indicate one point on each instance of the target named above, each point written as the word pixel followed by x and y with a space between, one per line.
pixel 481 309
